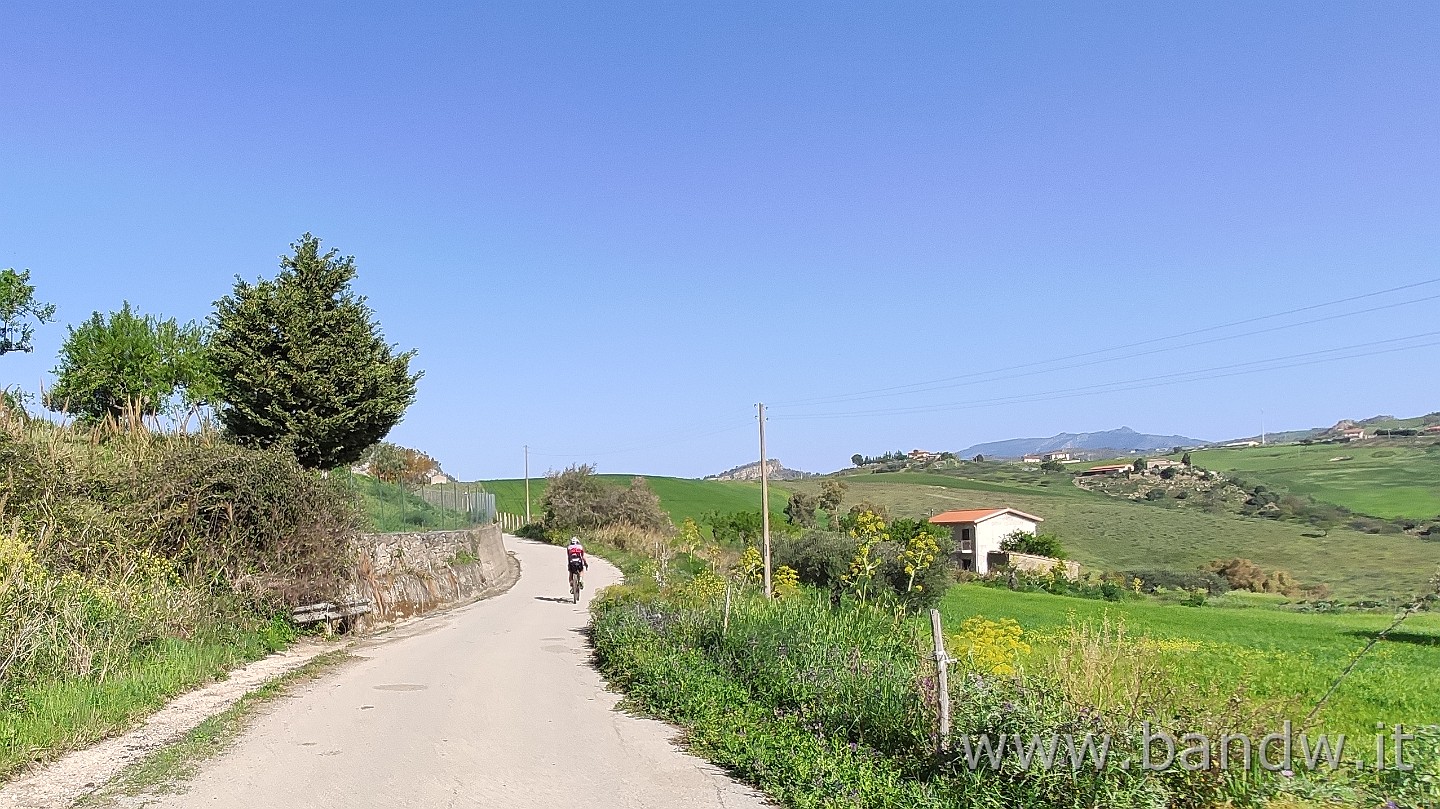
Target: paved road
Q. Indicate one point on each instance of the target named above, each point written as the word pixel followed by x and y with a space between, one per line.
pixel 491 705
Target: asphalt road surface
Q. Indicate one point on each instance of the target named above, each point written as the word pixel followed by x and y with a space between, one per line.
pixel 494 705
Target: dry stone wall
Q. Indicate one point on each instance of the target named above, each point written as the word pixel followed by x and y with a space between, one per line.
pixel 408 574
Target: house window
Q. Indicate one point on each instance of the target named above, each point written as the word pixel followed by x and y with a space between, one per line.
pixel 967 540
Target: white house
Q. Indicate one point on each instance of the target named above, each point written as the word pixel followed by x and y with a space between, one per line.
pixel 1031 459
pixel 979 531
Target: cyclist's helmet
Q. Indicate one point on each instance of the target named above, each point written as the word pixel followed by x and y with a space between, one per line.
pixel 574 541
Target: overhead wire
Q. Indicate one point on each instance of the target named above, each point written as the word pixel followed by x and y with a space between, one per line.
pixel 941 383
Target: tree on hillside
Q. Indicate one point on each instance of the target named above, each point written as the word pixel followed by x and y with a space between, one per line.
pixel 393 463
pixel 18 308
pixel 128 365
pixel 302 362
pixel 832 494
pixel 1185 459
pixel 857 460
pixel 800 510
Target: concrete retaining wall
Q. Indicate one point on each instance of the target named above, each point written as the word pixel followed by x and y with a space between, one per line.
pixel 402 575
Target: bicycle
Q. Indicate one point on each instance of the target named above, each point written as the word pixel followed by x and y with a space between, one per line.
pixel 575 585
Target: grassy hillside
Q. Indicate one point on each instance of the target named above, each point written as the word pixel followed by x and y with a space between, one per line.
pixel 1112 534
pixel 1382 478
pixel 1279 655
pixel 680 497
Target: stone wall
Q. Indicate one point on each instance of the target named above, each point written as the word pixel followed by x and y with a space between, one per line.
pixel 1032 564
pixel 402 575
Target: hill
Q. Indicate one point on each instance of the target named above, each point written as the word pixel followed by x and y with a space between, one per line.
pixel 751 471
pixel 1107 533
pixel 1123 440
pixel 680 497
pixel 1380 477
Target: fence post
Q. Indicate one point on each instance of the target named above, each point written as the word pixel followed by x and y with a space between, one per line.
pixel 942 680
pixel 725 625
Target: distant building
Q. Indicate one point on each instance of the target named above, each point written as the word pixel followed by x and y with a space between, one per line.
pixel 1056 456
pixel 1161 463
pixel 979 531
pixel 923 455
pixel 1106 469
pixel 1352 434
pixel 1032 459
pixel 437 477
pixel 1243 444
pixel 1434 428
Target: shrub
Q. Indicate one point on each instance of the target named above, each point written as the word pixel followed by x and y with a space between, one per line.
pixel 576 499
pixel 1041 544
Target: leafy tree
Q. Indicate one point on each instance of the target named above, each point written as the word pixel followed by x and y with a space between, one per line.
pixel 832 494
pixel 736 529
pixel 800 511
pixel 574 498
pixel 302 362
pixel 18 308
pixel 857 460
pixel 1140 465
pixel 979 459
pixel 1167 473
pixel 127 365
pixel 396 464
pixel 1053 466
pixel 1034 544
pixel 1185 459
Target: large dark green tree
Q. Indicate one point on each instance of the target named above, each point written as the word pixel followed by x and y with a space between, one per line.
pixel 301 362
pixel 127 365
pixel 19 311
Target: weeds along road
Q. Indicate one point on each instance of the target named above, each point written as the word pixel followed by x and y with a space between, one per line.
pixel 492 705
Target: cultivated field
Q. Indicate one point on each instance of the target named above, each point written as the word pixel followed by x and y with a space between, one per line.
pixel 680 497
pixel 1381 478
pixel 1106 533
pixel 1278 656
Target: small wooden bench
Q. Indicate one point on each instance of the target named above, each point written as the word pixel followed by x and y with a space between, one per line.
pixel 331 614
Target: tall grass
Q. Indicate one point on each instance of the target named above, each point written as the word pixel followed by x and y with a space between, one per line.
pixel 836 706
pixel 137 562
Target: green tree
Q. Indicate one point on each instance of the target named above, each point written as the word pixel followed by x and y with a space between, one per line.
pixel 1034 544
pixel 1140 465
pixel 832 494
pixel 800 511
pixel 302 362
pixel 128 365
pixel 1185 459
pixel 18 308
pixel 857 459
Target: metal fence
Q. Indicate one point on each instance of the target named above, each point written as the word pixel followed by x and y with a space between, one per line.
pixel 465 498
pixel 509 523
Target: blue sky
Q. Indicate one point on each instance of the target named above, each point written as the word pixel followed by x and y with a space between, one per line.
pixel 610 229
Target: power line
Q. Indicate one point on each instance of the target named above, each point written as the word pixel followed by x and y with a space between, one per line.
pixel 1149 352
pixel 925 386
pixel 1139 383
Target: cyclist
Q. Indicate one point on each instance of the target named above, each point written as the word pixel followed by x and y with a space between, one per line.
pixel 575 560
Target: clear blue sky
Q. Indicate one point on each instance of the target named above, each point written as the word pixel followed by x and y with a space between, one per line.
pixel 613 227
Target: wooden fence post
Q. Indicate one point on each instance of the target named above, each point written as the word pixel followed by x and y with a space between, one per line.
pixel 942 680
pixel 725 625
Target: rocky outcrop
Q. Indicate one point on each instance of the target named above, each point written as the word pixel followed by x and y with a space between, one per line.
pixel 402 575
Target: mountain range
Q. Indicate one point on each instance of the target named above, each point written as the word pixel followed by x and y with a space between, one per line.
pixel 1123 439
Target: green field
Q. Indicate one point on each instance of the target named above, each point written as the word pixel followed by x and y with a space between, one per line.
pixel 1278 655
pixel 1107 533
pixel 680 497
pixel 1382 478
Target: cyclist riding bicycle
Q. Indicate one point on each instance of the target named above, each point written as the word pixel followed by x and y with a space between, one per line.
pixel 575 561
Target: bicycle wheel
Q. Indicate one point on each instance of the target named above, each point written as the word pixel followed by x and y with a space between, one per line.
pixel 575 588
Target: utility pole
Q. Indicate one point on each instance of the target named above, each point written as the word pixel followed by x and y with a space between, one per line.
pixel 764 499
pixel 527 483
pixel 1262 427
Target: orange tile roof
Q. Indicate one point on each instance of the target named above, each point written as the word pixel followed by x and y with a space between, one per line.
pixel 977 515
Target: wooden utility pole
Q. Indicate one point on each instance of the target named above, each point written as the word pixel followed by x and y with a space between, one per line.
pixel 764 499
pixel 942 681
pixel 527 483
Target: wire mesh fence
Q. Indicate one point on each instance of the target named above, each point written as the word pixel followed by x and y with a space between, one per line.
pixel 450 506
